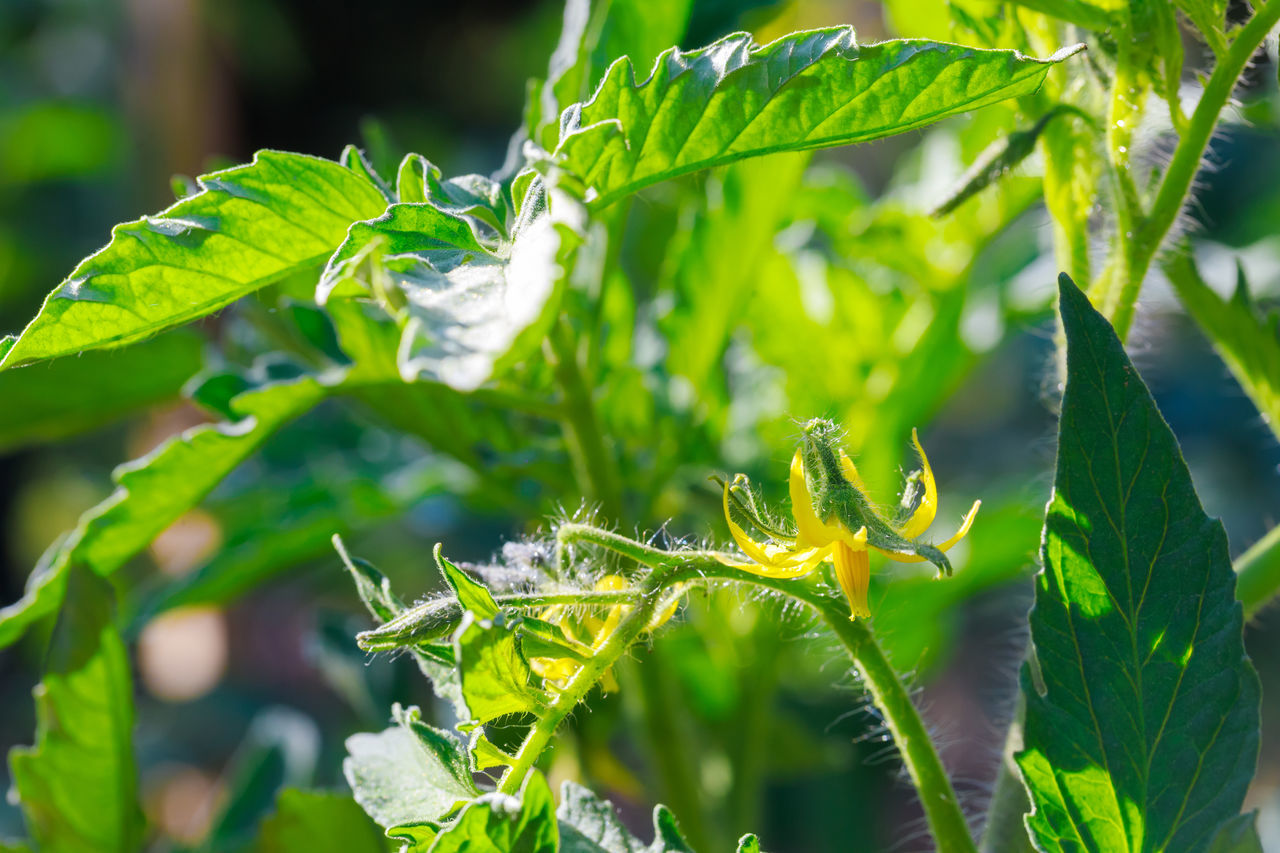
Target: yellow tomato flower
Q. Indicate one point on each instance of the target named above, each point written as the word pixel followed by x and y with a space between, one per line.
pixel 835 520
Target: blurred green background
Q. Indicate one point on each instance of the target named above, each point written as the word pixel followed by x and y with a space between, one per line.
pixel 102 102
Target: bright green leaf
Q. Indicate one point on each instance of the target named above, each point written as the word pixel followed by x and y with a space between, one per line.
pixel 78 786
pixel 251 226
pixel 735 99
pixel 154 491
pixel 93 389
pixel 1142 720
pixel 749 844
pixel 498 823
pixel 319 822
pixel 496 680
pixel 409 773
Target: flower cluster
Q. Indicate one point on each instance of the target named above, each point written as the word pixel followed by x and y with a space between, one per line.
pixel 835 520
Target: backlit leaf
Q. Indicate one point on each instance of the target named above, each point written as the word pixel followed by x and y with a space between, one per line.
pixel 78 786
pixel 735 99
pixel 250 226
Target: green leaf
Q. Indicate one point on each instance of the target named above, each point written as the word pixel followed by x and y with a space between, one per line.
pixel 319 822
pixel 1238 835
pixel 735 99
pixel 498 823
pixel 749 843
pixel 467 311
pixel 589 824
pixel 154 491
pixel 1142 727
pixel 472 595
pixel 496 680
pixel 250 226
pixel 409 773
pixel 1079 12
pixel 1246 340
pixel 592 37
pixel 93 389
pixel 78 786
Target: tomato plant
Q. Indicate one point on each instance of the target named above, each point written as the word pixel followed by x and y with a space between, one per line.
pixel 662 284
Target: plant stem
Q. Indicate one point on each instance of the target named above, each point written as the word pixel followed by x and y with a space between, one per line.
pixel 941 808
pixel 596 471
pixel 1186 157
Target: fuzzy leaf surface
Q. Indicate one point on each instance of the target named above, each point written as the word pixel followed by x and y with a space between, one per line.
pixel 1142 733
pixel 409 773
pixel 248 227
pixel 589 824
pixel 736 99
pixel 78 786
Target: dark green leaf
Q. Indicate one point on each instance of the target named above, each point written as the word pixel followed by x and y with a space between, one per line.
pixel 251 226
pixel 1142 721
pixel 498 823
pixel 154 491
pixel 78 786
pixel 735 99
pixel 409 773
pixel 319 822
pixel 93 389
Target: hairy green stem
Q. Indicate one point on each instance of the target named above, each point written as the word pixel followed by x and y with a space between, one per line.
pixel 1177 179
pixel 595 469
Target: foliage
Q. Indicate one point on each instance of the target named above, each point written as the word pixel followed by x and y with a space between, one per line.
pixel 658 279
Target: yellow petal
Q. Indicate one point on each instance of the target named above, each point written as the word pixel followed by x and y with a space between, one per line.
pixel 853 571
pixel 941 546
pixel 811 531
pixel 772 557
pixel 851 474
pixel 920 520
